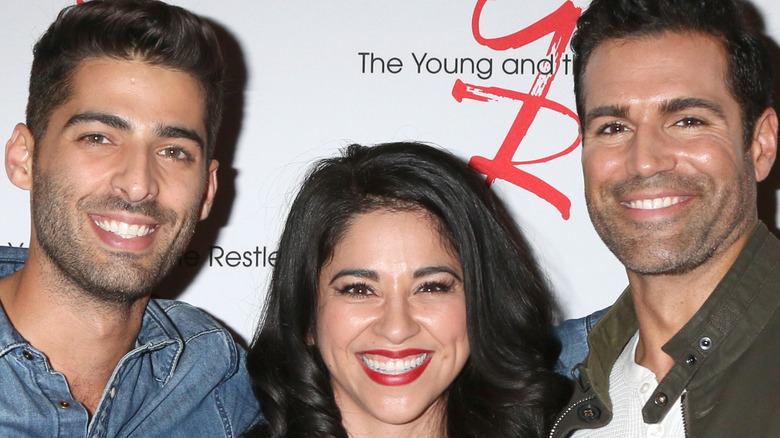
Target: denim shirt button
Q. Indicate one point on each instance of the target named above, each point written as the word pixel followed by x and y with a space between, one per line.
pixel 27 355
pixel 64 405
pixel 112 392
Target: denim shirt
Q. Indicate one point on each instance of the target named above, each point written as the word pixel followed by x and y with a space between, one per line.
pixel 573 334
pixel 11 259
pixel 184 378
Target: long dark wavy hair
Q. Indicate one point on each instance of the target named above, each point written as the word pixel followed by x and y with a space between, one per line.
pixel 507 387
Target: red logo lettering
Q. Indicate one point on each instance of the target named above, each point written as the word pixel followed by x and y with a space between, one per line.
pixel 561 25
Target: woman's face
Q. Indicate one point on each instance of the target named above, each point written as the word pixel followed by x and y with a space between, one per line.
pixel 391 322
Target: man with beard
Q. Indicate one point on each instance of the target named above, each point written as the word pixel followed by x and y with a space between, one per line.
pixel 675 104
pixel 124 106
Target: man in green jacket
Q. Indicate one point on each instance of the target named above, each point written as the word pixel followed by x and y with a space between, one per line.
pixel 675 103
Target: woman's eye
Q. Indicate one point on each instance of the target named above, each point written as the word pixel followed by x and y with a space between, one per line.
pixel 356 290
pixel 435 287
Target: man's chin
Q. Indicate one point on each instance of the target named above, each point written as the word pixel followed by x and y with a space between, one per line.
pixel 121 293
pixel 661 260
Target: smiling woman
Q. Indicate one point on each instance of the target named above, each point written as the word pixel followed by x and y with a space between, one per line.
pixel 405 302
pixel 391 320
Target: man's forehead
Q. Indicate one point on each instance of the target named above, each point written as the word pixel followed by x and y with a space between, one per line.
pixel 92 61
pixel 90 80
pixel 682 58
pixel 608 46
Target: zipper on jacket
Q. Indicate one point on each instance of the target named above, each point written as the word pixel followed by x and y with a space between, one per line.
pixel 684 410
pixel 566 412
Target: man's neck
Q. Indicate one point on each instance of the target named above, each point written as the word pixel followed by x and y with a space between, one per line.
pixel 665 303
pixel 83 339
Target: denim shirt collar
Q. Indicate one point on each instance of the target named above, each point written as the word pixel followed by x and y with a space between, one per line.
pixel 10 339
pixel 157 334
pixel 11 259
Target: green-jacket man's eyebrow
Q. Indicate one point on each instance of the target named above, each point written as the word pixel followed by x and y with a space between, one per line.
pixel 675 105
pixel 619 111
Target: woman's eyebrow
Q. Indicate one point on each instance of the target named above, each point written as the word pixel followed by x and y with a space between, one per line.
pixel 422 272
pixel 360 273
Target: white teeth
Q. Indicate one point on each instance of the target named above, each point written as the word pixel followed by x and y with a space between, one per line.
pixel 125 230
pixel 655 203
pixel 394 366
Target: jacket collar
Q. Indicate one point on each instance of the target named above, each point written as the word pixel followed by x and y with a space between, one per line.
pixel 605 344
pixel 740 304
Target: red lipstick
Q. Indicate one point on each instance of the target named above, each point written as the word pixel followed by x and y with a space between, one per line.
pixel 396 379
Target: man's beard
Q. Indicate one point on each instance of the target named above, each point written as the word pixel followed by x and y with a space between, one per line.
pixel 111 277
pixel 720 219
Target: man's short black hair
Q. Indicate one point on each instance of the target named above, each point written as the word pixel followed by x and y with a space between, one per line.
pixel 146 30
pixel 749 78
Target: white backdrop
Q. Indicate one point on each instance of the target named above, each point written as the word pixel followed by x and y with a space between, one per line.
pixel 308 77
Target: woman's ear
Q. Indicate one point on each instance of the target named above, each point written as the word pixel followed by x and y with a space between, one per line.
pixel 19 157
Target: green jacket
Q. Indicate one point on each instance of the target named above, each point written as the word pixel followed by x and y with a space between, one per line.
pixel 727 357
